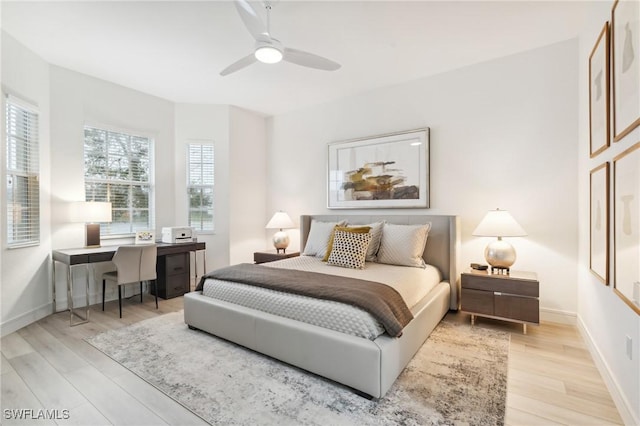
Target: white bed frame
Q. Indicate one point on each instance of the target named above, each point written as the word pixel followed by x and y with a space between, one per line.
pixel 367 366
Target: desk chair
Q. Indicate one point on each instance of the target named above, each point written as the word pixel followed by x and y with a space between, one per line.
pixel 133 264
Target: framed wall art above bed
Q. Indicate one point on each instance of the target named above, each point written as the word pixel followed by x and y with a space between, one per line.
pixel 386 171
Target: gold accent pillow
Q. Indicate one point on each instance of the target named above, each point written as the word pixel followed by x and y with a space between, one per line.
pixel 355 230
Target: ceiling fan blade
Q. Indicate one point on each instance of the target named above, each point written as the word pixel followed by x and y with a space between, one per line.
pixel 239 64
pixel 306 59
pixel 251 19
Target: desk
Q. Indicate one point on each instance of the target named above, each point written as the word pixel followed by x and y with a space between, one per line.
pixel 85 256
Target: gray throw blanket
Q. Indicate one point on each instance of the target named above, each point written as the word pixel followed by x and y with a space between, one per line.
pixel 384 303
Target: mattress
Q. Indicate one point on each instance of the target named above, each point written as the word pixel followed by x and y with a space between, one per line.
pixel 413 284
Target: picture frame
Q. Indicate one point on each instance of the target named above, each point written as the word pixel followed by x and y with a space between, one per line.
pixel 385 171
pixel 599 138
pixel 145 237
pixel 625 66
pixel 626 207
pixel 599 222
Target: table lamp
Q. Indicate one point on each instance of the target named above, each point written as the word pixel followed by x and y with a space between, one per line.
pixel 280 221
pixel 92 213
pixel 499 223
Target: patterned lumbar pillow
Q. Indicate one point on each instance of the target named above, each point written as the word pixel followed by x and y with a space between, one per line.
pixel 349 249
pixel 357 230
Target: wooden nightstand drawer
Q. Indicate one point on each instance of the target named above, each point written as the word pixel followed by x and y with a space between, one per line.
pixel 477 301
pixel 518 308
pixel 511 284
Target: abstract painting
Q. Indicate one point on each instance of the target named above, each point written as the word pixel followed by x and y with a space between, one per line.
pixel 387 171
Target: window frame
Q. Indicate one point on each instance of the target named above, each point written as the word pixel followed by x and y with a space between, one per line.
pixel 151 182
pixel 189 186
pixel 32 172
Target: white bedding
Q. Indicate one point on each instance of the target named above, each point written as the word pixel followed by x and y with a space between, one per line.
pixel 413 284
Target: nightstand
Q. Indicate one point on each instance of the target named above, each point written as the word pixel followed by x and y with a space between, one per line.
pixel 509 297
pixel 271 255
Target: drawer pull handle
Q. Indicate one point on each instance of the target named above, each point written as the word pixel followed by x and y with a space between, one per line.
pixel 497 293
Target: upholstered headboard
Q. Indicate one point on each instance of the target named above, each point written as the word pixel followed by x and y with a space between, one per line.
pixel 443 243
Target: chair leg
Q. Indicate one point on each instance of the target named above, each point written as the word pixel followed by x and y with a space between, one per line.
pixel 155 291
pixel 140 291
pixel 103 287
pixel 120 299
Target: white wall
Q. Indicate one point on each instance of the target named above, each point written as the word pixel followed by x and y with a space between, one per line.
pixel 503 134
pixel 248 189
pixel 604 319
pixel 25 275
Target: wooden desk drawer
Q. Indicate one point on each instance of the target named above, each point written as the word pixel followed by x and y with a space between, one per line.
pixel 176 285
pixel 177 264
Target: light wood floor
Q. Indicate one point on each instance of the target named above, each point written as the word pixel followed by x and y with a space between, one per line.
pixel 48 366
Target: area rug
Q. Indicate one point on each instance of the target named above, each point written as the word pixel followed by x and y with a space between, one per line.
pixel 458 377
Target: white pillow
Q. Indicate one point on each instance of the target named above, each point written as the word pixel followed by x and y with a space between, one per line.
pixel 349 249
pixel 318 238
pixel 376 236
pixel 403 244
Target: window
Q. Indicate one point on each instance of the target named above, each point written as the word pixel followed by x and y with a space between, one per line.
pixel 200 186
pixel 23 174
pixel 117 169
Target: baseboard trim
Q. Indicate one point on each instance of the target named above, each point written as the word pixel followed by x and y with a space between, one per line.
pixel 622 404
pixel 557 316
pixel 23 320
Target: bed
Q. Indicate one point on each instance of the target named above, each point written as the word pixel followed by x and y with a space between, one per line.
pixel 367 365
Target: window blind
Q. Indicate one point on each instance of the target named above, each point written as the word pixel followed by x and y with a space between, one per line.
pixel 23 172
pixel 200 181
pixel 117 169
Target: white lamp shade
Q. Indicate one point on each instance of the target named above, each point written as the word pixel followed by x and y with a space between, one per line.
pixel 499 223
pixel 280 220
pixel 90 212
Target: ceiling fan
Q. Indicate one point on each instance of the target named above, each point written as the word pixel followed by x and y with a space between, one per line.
pixel 270 50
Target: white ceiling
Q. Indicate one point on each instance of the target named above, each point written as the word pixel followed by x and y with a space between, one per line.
pixel 176 49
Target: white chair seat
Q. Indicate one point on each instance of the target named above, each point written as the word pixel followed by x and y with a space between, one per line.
pixel 134 264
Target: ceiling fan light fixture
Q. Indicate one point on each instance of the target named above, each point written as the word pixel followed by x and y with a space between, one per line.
pixel 268 54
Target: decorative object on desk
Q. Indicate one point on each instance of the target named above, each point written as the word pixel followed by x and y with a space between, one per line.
pixel 280 220
pixel 625 58
pixel 93 213
pixel 626 236
pixel 387 171
pixel 145 237
pixel 599 222
pixel 599 94
pixel 499 223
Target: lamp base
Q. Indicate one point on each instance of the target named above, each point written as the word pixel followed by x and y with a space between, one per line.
pixel 92 235
pixel 281 241
pixel 500 255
